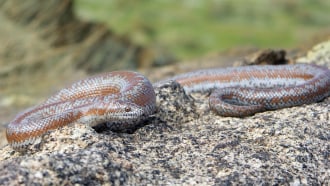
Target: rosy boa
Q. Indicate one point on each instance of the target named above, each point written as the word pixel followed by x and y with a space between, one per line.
pixel 122 99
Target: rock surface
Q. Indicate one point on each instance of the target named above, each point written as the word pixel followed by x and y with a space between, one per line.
pixel 186 144
pixel 45 46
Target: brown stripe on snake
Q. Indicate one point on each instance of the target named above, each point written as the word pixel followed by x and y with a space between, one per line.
pixel 123 99
pixel 120 99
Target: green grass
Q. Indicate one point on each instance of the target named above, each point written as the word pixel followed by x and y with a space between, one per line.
pixel 191 28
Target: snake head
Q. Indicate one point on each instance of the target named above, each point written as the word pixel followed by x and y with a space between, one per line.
pixel 117 114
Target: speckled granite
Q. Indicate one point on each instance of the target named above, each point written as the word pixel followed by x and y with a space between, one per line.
pixel 184 143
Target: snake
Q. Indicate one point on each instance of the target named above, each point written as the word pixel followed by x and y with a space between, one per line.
pixel 123 99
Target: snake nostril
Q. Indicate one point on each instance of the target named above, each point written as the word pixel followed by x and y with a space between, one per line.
pixel 127 109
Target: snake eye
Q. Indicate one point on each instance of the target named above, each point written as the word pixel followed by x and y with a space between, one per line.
pixel 128 109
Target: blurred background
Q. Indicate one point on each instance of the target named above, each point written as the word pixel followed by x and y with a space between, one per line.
pixel 46 45
pixel 193 28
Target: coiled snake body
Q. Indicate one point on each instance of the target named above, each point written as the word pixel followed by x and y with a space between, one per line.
pixel 122 99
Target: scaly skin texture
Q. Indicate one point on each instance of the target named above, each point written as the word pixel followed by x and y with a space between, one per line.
pixel 120 99
pixel 243 91
pixel 123 99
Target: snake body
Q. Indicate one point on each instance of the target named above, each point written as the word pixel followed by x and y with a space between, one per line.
pixel 122 99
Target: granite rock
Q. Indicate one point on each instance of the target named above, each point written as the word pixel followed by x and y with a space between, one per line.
pixel 185 143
